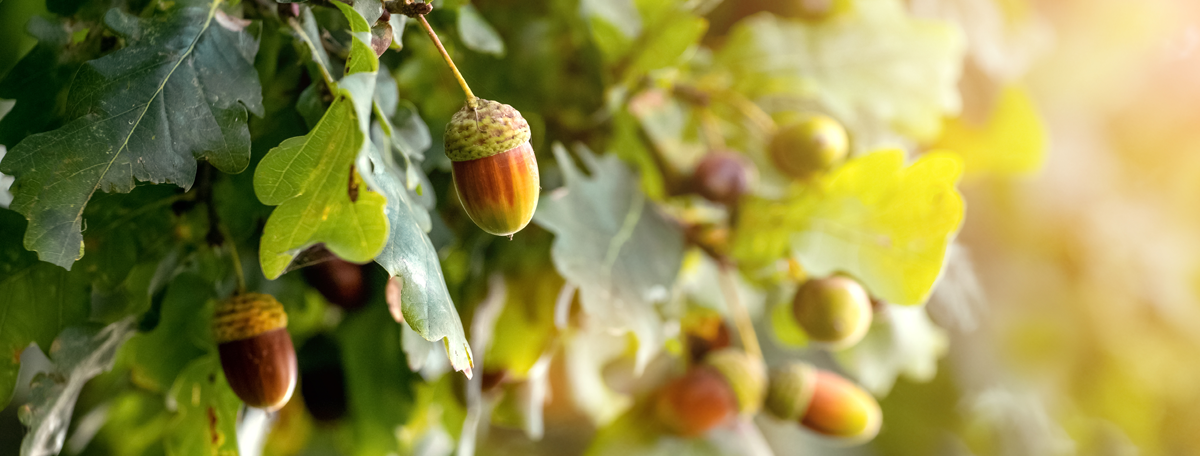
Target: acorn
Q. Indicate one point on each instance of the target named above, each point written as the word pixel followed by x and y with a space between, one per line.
pixel 747 376
pixel 256 350
pixel 810 146
pixel 842 410
pixel 494 168
pixel 723 177
pixel 790 390
pixel 834 311
pixel 697 402
pixel 339 281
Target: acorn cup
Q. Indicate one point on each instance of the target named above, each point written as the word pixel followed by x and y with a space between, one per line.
pixel 494 168
pixel 810 146
pixel 790 390
pixel 835 312
pixel 256 350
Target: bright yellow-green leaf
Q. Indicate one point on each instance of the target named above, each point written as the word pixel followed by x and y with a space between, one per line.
pixel 1012 141
pixel 885 223
pixel 876 69
pixel 309 177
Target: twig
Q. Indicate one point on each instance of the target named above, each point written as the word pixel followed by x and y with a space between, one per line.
pixel 741 317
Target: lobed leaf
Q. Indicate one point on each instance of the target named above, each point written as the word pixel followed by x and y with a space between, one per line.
pixel 78 354
pixel 612 243
pixel 178 92
pixel 205 410
pixel 39 301
pixel 886 224
pixel 878 67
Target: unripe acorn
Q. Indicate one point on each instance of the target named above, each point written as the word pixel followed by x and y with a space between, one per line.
pixel 697 402
pixel 812 145
pixel 256 350
pixel 494 168
pixel 747 376
pixel 791 390
pixel 723 177
pixel 842 410
pixel 834 311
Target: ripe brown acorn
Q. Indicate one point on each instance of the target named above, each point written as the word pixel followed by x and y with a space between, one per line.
pixel 723 177
pixel 810 146
pixel 256 350
pixel 339 281
pixel 697 402
pixel 494 168
pixel 834 311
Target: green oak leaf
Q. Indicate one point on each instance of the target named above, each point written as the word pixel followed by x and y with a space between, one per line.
pixel 178 92
pixel 40 79
pixel 887 224
pixel 205 411
pixel 39 300
pixel 409 256
pixel 877 67
pixel 610 241
pixel 157 357
pixel 78 354
pixel 477 34
pixel 321 197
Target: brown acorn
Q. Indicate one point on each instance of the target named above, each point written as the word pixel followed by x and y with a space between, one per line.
pixel 256 350
pixel 723 177
pixel 697 402
pixel 810 146
pixel 494 167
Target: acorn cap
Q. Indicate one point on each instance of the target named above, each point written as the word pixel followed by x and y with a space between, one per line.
pixel 835 312
pixel 483 129
pixel 745 375
pixel 791 390
pixel 247 315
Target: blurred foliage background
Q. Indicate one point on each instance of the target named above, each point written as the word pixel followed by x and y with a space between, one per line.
pixel 1063 321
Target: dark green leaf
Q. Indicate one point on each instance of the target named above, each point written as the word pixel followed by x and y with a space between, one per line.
pixel 39 300
pixel 173 95
pixel 205 409
pixel 38 81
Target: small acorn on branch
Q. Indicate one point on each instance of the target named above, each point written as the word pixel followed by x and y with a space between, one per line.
pixel 835 312
pixel 697 402
pixel 823 402
pixel 494 168
pixel 810 146
pixel 723 177
pixel 256 350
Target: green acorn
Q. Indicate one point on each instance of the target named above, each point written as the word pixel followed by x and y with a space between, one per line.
pixel 834 311
pixel 790 390
pixel 810 146
pixel 495 171
pixel 256 350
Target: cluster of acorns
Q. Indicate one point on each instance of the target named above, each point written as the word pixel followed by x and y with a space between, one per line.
pixel 835 313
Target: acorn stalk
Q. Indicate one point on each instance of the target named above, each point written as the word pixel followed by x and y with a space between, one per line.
pixel 256 350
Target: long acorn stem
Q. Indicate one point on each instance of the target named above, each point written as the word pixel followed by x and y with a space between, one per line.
pixel 741 317
pixel 450 62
